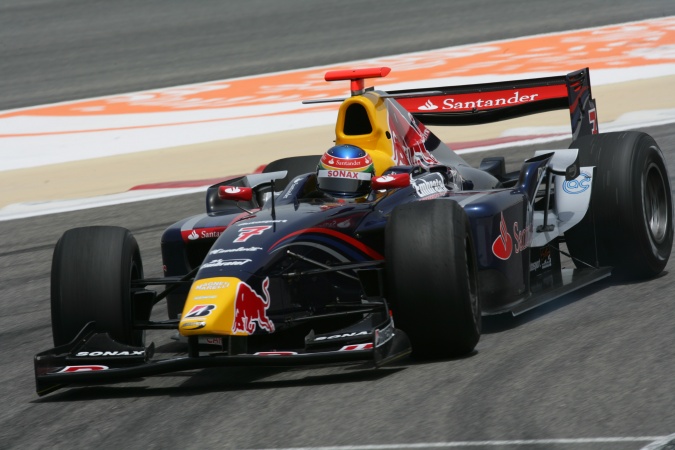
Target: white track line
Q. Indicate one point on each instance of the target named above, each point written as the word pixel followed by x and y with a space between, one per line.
pixel 667 442
pixel 33 209
pixel 455 444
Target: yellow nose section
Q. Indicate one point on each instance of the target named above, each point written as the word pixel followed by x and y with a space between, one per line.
pixel 225 306
pixel 209 308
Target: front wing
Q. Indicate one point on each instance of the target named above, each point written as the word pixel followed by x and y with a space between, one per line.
pixel 94 358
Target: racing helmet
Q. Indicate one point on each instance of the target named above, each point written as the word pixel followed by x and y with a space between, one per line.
pixel 345 171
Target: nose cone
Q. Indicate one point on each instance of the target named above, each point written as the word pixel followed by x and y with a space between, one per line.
pixel 226 306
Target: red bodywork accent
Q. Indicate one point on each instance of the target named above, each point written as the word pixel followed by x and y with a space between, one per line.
pixel 201 233
pixel 409 138
pixel 247 232
pixel 350 240
pixel 235 193
pixel 391 181
pixel 356 76
pixel 482 101
pixel 70 369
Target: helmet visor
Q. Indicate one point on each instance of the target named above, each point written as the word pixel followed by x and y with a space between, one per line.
pixel 344 181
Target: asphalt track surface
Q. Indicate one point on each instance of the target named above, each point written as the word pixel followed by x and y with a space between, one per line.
pixel 70 49
pixel 598 363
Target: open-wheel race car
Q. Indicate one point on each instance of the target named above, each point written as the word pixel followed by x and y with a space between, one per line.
pixel 389 243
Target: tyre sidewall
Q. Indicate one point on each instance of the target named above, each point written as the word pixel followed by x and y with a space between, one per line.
pixel 616 215
pixel 432 277
pixel 92 269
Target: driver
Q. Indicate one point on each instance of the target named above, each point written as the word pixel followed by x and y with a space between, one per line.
pixel 345 171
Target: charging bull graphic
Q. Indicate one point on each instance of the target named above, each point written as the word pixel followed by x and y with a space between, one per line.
pixel 249 307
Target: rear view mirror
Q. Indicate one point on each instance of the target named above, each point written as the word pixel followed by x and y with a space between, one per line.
pixel 390 181
pixel 235 193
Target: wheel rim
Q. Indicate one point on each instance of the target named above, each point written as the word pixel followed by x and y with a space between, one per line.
pixel 655 203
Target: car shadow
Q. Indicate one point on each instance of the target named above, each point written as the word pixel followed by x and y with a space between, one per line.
pixel 507 321
pixel 213 380
pixel 204 381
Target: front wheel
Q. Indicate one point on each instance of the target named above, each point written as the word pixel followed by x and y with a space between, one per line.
pixel 432 280
pixel 92 271
pixel 631 209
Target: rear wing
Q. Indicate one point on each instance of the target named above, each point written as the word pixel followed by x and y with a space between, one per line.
pixel 491 102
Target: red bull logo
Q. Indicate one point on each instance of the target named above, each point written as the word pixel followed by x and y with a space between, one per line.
pixel 250 308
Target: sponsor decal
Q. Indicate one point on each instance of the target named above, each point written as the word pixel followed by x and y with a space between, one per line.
pixel 345 174
pixel 70 369
pixel 213 341
pixel 578 185
pixel 523 238
pixel 344 163
pixel 385 179
pixel 503 245
pixel 334 223
pixel 204 297
pixel 593 119
pixel 193 325
pixel 352 347
pixel 200 311
pixel 202 233
pixel 219 251
pixel 235 193
pixel 212 285
pixel 275 353
pixel 240 224
pixel 341 222
pixel 483 100
pixel 250 309
pixel 392 181
pixel 545 258
pixel 408 135
pixel 114 353
pixel 247 232
pixel 339 336
pixel 226 262
pixel 344 223
pixel 384 335
pixel 482 103
pixel 291 188
pixel 430 188
pixel 428 106
pixel 543 261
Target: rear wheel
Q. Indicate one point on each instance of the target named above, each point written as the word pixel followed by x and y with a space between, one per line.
pixel 631 207
pixel 92 270
pixel 432 278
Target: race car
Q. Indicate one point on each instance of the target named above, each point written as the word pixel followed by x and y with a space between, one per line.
pixel 386 245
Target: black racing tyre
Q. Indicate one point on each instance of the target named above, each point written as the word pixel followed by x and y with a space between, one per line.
pixel 92 270
pixel 432 279
pixel 631 209
pixel 295 165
